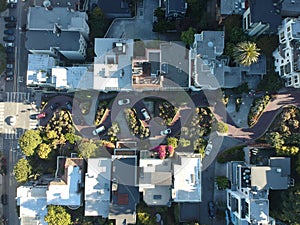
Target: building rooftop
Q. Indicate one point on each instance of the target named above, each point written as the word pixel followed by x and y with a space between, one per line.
pixel 116 8
pixel 72 4
pixel 229 7
pixel 265 12
pixel 259 210
pixel 187 180
pixel 33 204
pixel 176 6
pixel 289 7
pixel 41 19
pixel 97 187
pixel 45 40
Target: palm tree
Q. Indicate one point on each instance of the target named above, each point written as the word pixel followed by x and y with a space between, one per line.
pixel 246 53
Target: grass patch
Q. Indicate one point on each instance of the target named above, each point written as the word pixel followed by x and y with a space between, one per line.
pixel 232 154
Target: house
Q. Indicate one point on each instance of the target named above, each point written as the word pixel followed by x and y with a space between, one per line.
pixel 229 7
pixel 70 5
pixel 116 8
pixel 155 181
pixel 112 64
pixel 287 60
pixel 175 9
pixel 261 17
pixel 247 199
pixel 70 44
pixel 289 8
pixel 67 187
pixel 32 202
pixel 97 189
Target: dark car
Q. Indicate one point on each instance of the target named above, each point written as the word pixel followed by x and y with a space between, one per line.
pixel 9 72
pixel 69 105
pixel 11 5
pixel 9 32
pixel 10 19
pixel 54 106
pixel 10 25
pixel 9 38
pixel 9 78
pixel 211 209
pixel 4 199
pixel 9 49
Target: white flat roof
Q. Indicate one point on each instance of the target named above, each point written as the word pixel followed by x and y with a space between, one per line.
pixel 187 180
pixel 97 187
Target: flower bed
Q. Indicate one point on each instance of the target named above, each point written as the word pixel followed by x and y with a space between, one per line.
pixel 257 108
pixel 135 125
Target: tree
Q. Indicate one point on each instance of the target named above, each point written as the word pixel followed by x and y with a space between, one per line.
pixel 43 151
pixel 246 53
pixel 222 127
pixel 70 137
pixel 275 139
pixel 98 23
pixel 222 182
pixel 188 36
pixel 173 142
pixel 145 218
pixel 29 141
pixel 87 149
pixel 22 170
pixel 57 215
pixel 3 5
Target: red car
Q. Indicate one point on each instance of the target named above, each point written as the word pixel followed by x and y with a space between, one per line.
pixel 41 115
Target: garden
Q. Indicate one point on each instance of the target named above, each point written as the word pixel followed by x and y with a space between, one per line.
pixel 232 154
pixel 100 112
pixel 257 108
pixel 136 126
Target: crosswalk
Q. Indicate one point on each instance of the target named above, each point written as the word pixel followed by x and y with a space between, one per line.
pixel 1 116
pixel 17 96
pixel 33 124
pixel 12 134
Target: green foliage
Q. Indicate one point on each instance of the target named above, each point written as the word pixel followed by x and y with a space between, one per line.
pixel 57 215
pixel 246 53
pixel 275 139
pixel 257 108
pixel 87 149
pixel 135 125
pixel 43 151
pixel 188 36
pixel 70 137
pixel 232 154
pixel 222 127
pixel 199 146
pixel 101 109
pixel 145 218
pixel 22 170
pixel 159 13
pixel 243 88
pixel 172 141
pixel 287 150
pixel 98 23
pixel 3 5
pixel 184 142
pixel 267 44
pixel 167 112
pixel 222 182
pixel 29 141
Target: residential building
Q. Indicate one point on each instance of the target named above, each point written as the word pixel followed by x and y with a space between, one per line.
pixel 66 189
pixel 229 7
pixel 70 5
pixel 289 8
pixel 62 18
pixel 287 60
pixel 261 17
pixel 116 8
pixel 174 9
pixel 32 202
pixel 97 189
pixel 187 179
pixel 112 64
pixel 70 44
pixel 155 181
pixel 247 200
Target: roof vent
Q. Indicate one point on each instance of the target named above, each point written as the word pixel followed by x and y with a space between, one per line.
pixel 210 44
pixel 278 170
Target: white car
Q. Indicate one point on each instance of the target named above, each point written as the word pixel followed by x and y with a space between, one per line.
pixel 9 44
pixel 12 121
pixel 145 114
pixel 98 130
pixel 124 101
pixel 165 132
pixel 208 148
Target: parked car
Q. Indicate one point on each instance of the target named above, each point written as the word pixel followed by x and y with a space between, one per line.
pixel 145 114
pixel 9 72
pixel 211 209
pixel 208 148
pixel 54 106
pixel 9 66
pixel 33 116
pixel 9 49
pixel 69 105
pixel 9 32
pixel 11 5
pixel 9 44
pixel 9 78
pixel 165 132
pixel 4 199
pixel 10 19
pixel 41 115
pixel 98 130
pixel 125 101
pixel 10 25
pixel 9 38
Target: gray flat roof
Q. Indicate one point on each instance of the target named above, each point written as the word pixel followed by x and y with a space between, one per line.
pixel 290 8
pixel 114 8
pixel 284 163
pixel 44 40
pixel 176 6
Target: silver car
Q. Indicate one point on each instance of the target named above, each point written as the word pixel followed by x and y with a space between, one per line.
pixel 98 130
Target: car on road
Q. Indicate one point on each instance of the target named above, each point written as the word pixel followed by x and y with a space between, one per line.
pixel 166 132
pixel 9 72
pixel 145 114
pixel 99 130
pixel 211 209
pixel 37 116
pixel 10 25
pixel 9 32
pixel 9 78
pixel 125 101
pixel 9 49
pixel 9 44
pixel 11 5
pixel 10 19
pixel 54 106
pixel 12 121
pixel 208 148
pixel 4 199
pixel 9 66
pixel 9 38
pixel 69 105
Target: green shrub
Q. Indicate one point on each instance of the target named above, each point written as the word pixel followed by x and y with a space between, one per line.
pixel 184 142
pixel 232 154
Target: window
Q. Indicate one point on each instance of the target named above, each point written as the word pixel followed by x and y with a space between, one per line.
pixel 296 79
pixel 156 197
